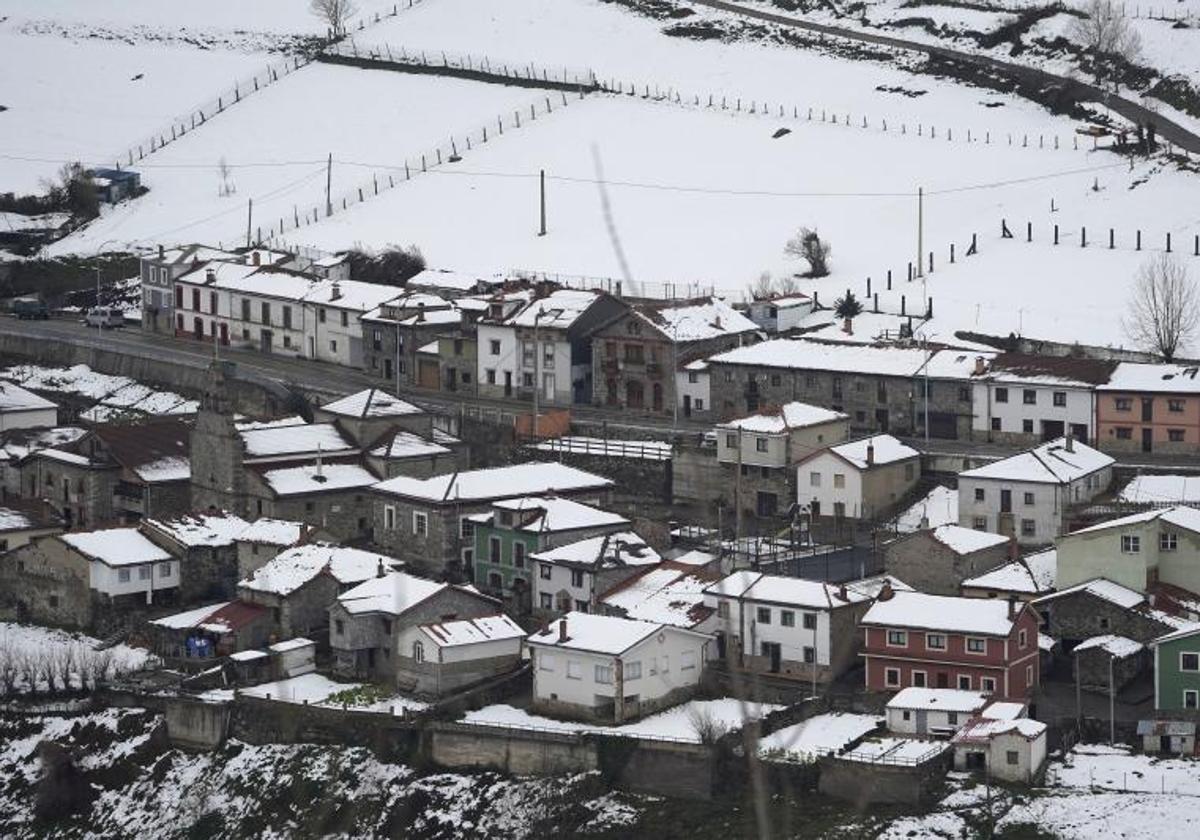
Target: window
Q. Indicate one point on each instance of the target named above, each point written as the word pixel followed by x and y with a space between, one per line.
pixel 389 517
pixel 764 615
pixel 321 315
pixel 1123 403
pixel 731 441
pixel 964 682
pixel 574 669
pixel 935 641
pixel 490 376
pixel 760 444
pixel 693 377
pixel 493 549
pixel 420 524
pixel 1103 623
pixel 979 494
pixel 995 424
pixel 1012 757
pixel 809 621
pixel 1175 435
pixel 604 674
pixel 810 655
pixel 1060 399
pixel 699 404
pixel 633 670
pixel 1028 675
pixel 1029 396
pixel 1191 699
pixel 287 317
pixel 546 602
pixel 987 684
pixel 245 309
pixel 577 578
pixel 964 394
pixel 814 479
pixel 687 660
pixel 519 554
pixel 909 471
pixel 545 662
pixel 164 570
pixel 1028 498
pixel 1175 405
pixel 723 609
pixel 1001 395
pixel 494 347
pixel 122 575
pixel 1167 541
pixel 839 480
pixel 976 645
pixel 952 718
pixel 339 626
pixel 544 571
pixel 1124 433
pixel 1028 528
pixel 345 318
pixel 144 572
pixel 787 618
pixel 333 346
pixel 897 638
pixel 891 677
pixel 1189 661
pixel 1027 426
pixel 1131 544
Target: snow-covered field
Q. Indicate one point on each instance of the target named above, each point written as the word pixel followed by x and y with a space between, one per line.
pixel 45 659
pixel 317 690
pixel 818 736
pixel 678 723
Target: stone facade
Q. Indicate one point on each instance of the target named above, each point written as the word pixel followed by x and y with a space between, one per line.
pixel 929 565
pixel 81 494
pixel 218 474
pixel 301 612
pixel 1079 615
pixel 47 584
pixel 1092 668
pixel 344 514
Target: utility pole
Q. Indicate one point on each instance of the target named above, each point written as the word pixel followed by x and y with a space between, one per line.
pixel 921 232
pixel 329 185
pixel 1112 704
pixel 737 493
pixel 537 350
pixel 249 219
pixel 542 183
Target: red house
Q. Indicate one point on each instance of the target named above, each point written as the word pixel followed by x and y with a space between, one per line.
pixel 940 641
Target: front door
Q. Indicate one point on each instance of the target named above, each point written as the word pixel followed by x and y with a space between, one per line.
pixel 720 646
pixel 1006 501
pixel 881 420
pixel 224 333
pixel 1164 743
pixel 508 383
pixel 1147 440
pixel 687 405
pixel 922 721
pixel 264 341
pixel 773 652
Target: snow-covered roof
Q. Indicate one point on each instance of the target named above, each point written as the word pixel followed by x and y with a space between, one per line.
pixel 269 282
pixel 292 568
pixel 1153 378
pixel 966 540
pixel 115 546
pixel 1102 588
pixel 1059 371
pixel 558 310
pixel 1181 633
pixel 193 529
pixel 938 507
pixel 1050 463
pixel 405 444
pixel 789 591
pixel 624 548
pixel 984 729
pixel 782 418
pixel 735 584
pixel 15 520
pixel 872 586
pixel 1118 646
pixel 189 618
pixel 393 594
pixel 1162 489
pixel 594 633
pixel 301 439
pixel 309 478
pixel 663 595
pixel 1002 710
pixel 552 513
pixel 15 398
pixel 473 631
pixel 168 468
pixel 248 655
pixel 939 699
pixel 695 557
pixel 884 449
pixel 800 354
pixel 947 613
pixel 712 318
pixel 430 348
pixel 1031 575
pixel 371 403
pixel 267 531
pixel 1187 518
pixel 526 479
pixel 451 281
pixel 350 294
pixel 291 644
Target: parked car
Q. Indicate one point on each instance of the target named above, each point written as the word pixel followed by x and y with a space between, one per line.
pixel 104 317
pixel 30 309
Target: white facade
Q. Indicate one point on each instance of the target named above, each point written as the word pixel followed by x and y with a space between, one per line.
pixel 433 651
pixel 499 358
pixel 692 389
pixel 1035 510
pixel 134 578
pixel 780 314
pixel 552 579
pixel 1020 407
pixel 739 618
pixel 34 417
pixel 925 721
pixel 832 483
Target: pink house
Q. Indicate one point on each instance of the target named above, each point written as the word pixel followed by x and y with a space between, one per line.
pixel 1149 408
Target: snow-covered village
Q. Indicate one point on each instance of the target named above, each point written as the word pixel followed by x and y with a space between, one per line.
pixel 698 419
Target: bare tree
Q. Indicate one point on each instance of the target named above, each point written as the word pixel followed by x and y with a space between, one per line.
pixel 335 14
pixel 807 245
pixel 786 285
pixel 763 287
pixel 226 187
pixel 707 728
pixel 1163 315
pixel 1106 32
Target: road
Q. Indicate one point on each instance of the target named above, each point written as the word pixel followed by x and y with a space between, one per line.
pixel 1167 129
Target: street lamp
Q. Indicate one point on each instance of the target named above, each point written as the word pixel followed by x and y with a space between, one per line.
pixel 99 250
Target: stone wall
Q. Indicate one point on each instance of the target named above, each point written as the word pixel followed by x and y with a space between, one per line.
pixel 696 475
pixel 866 784
pixel 258 721
pixel 193 724
pixel 1092 665
pixel 1080 616
pixel 634 478
pixel 929 565
pixel 44 583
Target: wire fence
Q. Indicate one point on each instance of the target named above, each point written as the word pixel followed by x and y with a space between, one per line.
pixel 660 290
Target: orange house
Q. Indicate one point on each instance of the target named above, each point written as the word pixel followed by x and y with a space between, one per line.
pixel 1149 408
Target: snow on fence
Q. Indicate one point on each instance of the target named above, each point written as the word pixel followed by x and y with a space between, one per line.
pixel 662 290
pixel 638 449
pixel 1131 10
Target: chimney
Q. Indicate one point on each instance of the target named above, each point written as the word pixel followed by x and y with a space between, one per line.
pixel 924 525
pixel 210 276
pixel 1014 550
pixel 841 593
pixel 980 366
pixel 1070 442
pixel 255 259
pixel 161 252
pixel 1012 607
pixel 848 326
pixel 870 454
pixel 420 310
pixel 562 631
pixel 336 293
pixel 380 571
pixel 885 592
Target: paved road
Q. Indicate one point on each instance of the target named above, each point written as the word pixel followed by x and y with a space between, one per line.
pixel 1167 129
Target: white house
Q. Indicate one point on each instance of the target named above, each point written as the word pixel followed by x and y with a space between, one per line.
pixel 933 711
pixel 796 628
pixel 22 409
pixel 22 522
pixel 574 576
pixel 1029 494
pixel 332 324
pixel 1019 398
pixel 860 479
pixel 442 657
pixel 777 436
pixel 1009 749
pixel 692 388
pixel 121 561
pixel 780 313
pixel 613 669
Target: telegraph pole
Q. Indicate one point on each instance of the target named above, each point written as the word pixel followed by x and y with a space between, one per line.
pixel 921 232
pixel 329 185
pixel 249 219
pixel 542 184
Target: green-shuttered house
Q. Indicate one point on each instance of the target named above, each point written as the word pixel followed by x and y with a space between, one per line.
pixel 1177 672
pixel 514 529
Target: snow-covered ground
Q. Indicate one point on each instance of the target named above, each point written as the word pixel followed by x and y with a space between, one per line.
pixel 939 506
pixel 1100 766
pixel 36 658
pixel 317 690
pixel 115 396
pixel 820 735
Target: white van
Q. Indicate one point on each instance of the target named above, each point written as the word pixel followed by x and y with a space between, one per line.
pixel 104 317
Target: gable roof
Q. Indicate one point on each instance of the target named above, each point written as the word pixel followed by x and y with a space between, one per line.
pixel 472 631
pixel 948 699
pixel 309 478
pixel 197 529
pixel 965 540
pixel 777 589
pixel 294 567
pixel 1032 574
pixel 295 439
pixel 696 320
pixel 624 548
pixel 1187 518
pixel 397 592
pixel 370 403
pixel 15 398
pixel 552 513
pixel 1050 463
pixel 268 531
pixel 664 594
pixel 1120 596
pixel 775 419
pixel 526 479
pixel 949 613
pixel 804 354
pixel 1154 378
pixel 597 633
pixel 885 449
pixel 1067 371
pixel 115 546
pixel 150 447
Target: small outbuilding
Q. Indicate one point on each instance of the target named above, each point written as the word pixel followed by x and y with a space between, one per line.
pixel 1168 737
pixel 933 711
pixel 1012 750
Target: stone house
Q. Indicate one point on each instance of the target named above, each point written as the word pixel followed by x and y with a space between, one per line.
pixel 796 629
pixel 1177 671
pixel 507 536
pixel 407 453
pixel 263 539
pixel 1032 495
pixel 22 522
pixel 205 546
pixel 1149 408
pixel 159 270
pixel 574 576
pixel 367 416
pixel 332 496
pixel 1109 662
pixel 1026 578
pixel 395 331
pixel 47 582
pixel 444 657
pixel 300 584
pixel 861 479
pixel 758 453
pixel 938 560
pixel 426 523
pixel 210 631
pixel 1103 608
pixel 912 639
pixel 1140 551
pixel 613 670
pixel 637 354
pixel 1024 400
pixel 367 621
